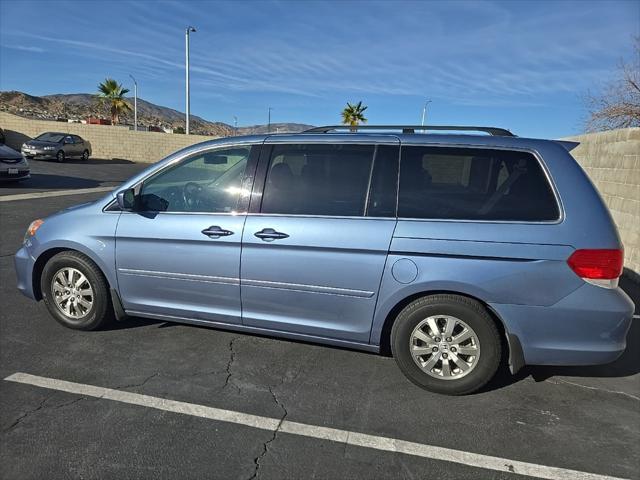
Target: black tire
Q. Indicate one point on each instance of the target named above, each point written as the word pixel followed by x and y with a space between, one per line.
pixel 465 309
pixel 60 156
pixel 85 155
pixel 101 311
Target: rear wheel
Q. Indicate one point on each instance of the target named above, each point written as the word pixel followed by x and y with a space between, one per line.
pixel 60 156
pixel 85 155
pixel 75 291
pixel 446 344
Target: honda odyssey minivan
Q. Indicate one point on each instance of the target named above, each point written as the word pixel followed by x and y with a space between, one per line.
pixel 452 251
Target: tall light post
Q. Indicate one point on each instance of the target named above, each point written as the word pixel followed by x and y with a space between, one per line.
pixel 188 30
pixel 424 111
pixel 269 123
pixel 235 126
pixel 135 103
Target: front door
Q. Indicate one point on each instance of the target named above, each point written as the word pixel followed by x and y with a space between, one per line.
pixel 314 250
pixel 178 255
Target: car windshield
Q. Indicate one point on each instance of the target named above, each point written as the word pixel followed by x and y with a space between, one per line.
pixel 50 137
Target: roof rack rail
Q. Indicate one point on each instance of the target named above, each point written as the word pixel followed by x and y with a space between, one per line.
pixel 495 131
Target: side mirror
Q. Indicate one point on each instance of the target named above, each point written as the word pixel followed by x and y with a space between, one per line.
pixel 127 200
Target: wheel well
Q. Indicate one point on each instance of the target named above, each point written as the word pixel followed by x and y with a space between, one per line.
pixel 385 336
pixel 42 260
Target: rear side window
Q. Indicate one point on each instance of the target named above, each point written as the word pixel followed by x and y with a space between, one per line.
pixel 324 179
pixel 473 184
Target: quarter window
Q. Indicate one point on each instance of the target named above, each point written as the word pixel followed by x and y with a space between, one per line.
pixel 310 179
pixel 473 184
pixel 207 182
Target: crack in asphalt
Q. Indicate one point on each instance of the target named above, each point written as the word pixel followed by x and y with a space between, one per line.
pixel 232 358
pixel 28 412
pixel 616 392
pixel 42 406
pixel 265 445
pixel 135 385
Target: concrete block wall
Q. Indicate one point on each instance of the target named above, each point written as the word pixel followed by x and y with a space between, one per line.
pixel 107 141
pixel 612 161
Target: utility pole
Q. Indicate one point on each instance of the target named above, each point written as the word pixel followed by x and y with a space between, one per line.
pixel 424 111
pixel 269 123
pixel 235 126
pixel 135 103
pixel 188 99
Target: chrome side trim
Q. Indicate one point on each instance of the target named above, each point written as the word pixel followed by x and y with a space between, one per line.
pixel 180 276
pixel 345 292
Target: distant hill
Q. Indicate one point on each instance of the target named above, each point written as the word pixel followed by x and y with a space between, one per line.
pixel 78 106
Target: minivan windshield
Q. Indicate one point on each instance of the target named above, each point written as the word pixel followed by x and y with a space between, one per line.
pixel 50 137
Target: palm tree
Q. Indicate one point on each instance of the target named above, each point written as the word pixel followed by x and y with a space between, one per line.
pixel 111 93
pixel 354 114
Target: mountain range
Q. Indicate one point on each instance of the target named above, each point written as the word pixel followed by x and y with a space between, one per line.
pixel 80 106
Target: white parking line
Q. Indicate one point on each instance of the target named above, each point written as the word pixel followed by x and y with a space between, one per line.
pixel 312 431
pixel 56 193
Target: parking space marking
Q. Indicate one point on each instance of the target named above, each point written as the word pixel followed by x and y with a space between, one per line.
pixel 55 193
pixel 312 431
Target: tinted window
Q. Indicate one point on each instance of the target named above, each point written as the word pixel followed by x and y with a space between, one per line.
pixel 318 179
pixel 77 139
pixel 473 184
pixel 384 182
pixel 206 182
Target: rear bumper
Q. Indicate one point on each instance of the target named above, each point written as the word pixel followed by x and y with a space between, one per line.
pixel 24 270
pixel 588 327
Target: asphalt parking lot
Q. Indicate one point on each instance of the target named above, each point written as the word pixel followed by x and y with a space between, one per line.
pixel 561 422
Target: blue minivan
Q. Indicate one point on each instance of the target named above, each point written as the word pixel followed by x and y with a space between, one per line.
pixel 452 251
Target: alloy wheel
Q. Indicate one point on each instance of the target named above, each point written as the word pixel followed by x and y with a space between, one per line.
pixel 72 293
pixel 444 347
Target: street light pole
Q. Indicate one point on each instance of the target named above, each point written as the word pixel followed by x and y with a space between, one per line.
pixel 235 126
pixel 135 103
pixel 269 124
pixel 188 99
pixel 424 111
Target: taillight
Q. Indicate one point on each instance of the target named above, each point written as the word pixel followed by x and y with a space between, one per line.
pixel 599 267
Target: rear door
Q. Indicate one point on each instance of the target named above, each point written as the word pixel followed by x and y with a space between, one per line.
pixel 316 240
pixel 79 146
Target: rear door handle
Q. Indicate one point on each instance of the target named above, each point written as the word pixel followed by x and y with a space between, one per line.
pixel 215 231
pixel 269 234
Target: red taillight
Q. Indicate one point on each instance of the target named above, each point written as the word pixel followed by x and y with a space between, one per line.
pixel 597 264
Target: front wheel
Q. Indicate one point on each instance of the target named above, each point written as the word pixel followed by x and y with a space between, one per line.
pixel 60 156
pixel 446 344
pixel 75 291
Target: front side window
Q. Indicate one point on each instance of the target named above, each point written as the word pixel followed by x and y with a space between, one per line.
pixel 473 184
pixel 323 179
pixel 206 182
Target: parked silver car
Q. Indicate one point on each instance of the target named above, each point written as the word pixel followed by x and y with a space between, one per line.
pixel 13 166
pixel 58 146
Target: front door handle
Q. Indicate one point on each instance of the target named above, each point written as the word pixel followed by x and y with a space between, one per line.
pixel 269 234
pixel 215 231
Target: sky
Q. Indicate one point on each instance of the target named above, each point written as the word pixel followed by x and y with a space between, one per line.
pixel 521 65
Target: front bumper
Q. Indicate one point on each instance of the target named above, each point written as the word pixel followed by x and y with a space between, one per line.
pixel 24 263
pixel 587 327
pixel 23 173
pixel 41 154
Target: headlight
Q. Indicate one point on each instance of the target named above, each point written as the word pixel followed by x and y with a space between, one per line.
pixel 49 148
pixel 33 228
